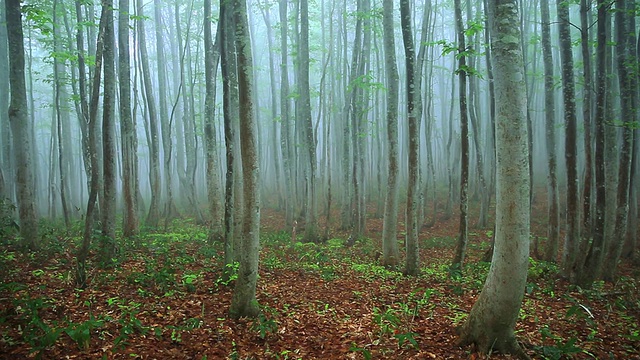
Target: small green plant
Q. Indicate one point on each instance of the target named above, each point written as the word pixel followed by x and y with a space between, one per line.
pixel 230 274
pixel 81 333
pixel 560 349
pixel 189 281
pixel 365 353
pixel 265 322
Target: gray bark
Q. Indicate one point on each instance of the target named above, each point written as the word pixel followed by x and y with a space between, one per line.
pixel 491 323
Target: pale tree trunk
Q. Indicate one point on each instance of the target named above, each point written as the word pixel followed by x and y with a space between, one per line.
pixel 169 208
pixel 153 216
pixel 390 253
pixel 412 265
pixel 308 139
pixel 463 237
pixel 553 232
pixel 129 139
pixel 108 206
pixel 244 303
pixel 627 66
pixel 266 14
pixel 211 58
pixel 61 115
pixel 593 262
pixel 491 323
pixel 18 117
pixel 286 142
pixel 572 236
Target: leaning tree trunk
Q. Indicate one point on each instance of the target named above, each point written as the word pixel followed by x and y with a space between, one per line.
pixel 19 120
pixel 244 301
pixel 491 323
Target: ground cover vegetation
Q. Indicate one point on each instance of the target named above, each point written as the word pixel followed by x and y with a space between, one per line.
pixel 164 295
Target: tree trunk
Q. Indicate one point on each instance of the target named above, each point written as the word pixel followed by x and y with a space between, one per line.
pixel 491 323
pixel 211 58
pixel 244 303
pixel 572 237
pixel 412 265
pixel 128 129
pixel 553 232
pixel 627 66
pixel 390 253
pixel 463 237
pixel 19 119
pixel 153 216
pixel 108 205
pixel 6 162
pixel 593 262
pixel 286 144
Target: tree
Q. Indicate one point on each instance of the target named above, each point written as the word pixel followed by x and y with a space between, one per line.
pixel 491 323
pixel 463 237
pixel 627 67
pixel 595 255
pixel 308 139
pixel 244 301
pixel 412 265
pixel 572 237
pixel 18 117
pixel 553 233
pixel 5 127
pixel 390 252
pixel 153 216
pixel 211 58
pixel 128 129
pixel 108 204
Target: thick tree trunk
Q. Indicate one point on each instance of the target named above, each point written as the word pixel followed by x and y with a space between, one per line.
pixel 491 323
pixel 19 119
pixel 412 265
pixel 244 303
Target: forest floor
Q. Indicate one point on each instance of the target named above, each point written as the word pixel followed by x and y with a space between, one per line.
pixel 165 298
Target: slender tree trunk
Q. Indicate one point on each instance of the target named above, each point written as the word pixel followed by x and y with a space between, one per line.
pixel 6 162
pixel 553 233
pixel 593 262
pixel 586 115
pixel 491 323
pixel 153 216
pixel 128 129
pixel 389 230
pixel 286 144
pixel 572 237
pixel 108 206
pixel 461 247
pixel 92 129
pixel 627 68
pixel 212 56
